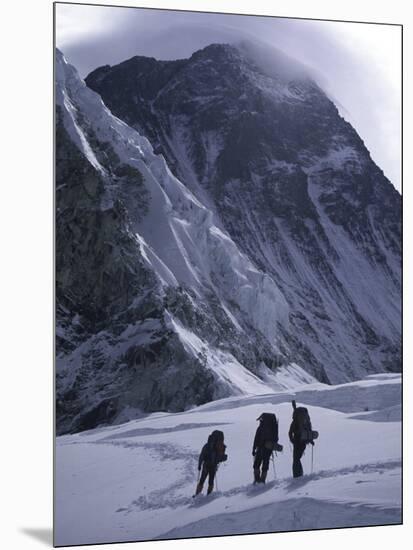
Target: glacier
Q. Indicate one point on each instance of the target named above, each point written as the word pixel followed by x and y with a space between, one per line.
pixel 183 253
pixel 135 481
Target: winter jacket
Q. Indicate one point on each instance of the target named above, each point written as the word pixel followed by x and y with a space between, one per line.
pixel 259 439
pixel 294 434
pixel 208 456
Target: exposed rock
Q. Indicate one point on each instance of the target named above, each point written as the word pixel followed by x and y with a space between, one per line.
pixel 292 183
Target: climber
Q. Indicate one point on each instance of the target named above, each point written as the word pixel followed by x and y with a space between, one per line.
pixel 213 452
pixel 301 434
pixel 265 442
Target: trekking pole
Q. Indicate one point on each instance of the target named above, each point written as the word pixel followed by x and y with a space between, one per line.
pixel 216 479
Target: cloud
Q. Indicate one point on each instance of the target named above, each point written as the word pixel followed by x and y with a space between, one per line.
pixel 357 64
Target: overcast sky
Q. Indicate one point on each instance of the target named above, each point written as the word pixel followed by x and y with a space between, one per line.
pixel 359 65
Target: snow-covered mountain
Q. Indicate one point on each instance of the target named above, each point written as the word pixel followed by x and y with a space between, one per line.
pixel 157 308
pixel 257 246
pixel 254 137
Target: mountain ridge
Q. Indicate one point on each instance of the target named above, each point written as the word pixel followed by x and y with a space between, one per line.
pixel 236 135
pixel 229 250
pixel 142 324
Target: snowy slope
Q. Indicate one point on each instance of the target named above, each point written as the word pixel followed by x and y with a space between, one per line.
pixel 134 481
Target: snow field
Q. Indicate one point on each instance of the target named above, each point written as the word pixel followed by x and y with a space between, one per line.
pixel 134 481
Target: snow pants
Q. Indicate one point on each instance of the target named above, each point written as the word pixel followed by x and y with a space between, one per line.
pixel 262 458
pixel 298 451
pixel 209 471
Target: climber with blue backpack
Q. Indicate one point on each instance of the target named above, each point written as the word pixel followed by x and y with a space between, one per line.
pixel 301 434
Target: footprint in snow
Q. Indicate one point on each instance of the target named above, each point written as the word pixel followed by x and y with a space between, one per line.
pixel 201 500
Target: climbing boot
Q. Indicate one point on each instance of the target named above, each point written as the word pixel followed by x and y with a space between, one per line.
pixel 256 475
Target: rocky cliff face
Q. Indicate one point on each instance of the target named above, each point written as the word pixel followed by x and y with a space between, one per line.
pixel 255 238
pixel 292 183
pixel 157 308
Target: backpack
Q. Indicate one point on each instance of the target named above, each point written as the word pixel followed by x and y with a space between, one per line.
pixel 302 422
pixel 216 446
pixel 269 430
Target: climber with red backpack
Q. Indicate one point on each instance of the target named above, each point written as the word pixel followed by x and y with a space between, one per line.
pixel 301 434
pixel 212 453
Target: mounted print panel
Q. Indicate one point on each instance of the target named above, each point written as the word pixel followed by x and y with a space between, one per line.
pixel 228 274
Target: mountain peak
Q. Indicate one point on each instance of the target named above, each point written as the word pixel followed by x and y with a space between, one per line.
pixel 215 49
pixel 272 61
pixel 264 57
pixel 247 127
